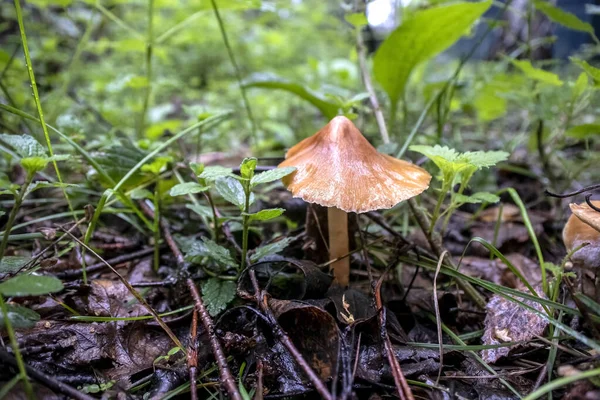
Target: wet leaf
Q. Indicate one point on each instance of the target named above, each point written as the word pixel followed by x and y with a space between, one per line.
pixel 25 146
pixel 20 317
pixel 265 215
pixel 271 175
pixel 270 249
pixel 186 188
pixel 217 293
pixel 215 172
pixel 11 264
pixel 30 285
pixel 232 191
pixel 247 167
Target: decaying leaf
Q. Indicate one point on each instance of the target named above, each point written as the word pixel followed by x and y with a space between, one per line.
pixel 508 321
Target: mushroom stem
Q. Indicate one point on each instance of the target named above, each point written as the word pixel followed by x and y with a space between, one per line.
pixel 337 222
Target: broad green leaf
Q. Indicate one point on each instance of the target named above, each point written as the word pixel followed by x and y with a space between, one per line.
pixel 592 71
pixel 484 159
pixel 232 191
pixel 25 146
pixel 271 175
pixel 217 293
pixel 140 193
pixel 425 34
pixel 583 131
pixel 580 85
pixel 20 317
pixel 11 264
pixel 185 188
pixel 356 19
pixel 476 198
pixel 328 109
pixel 247 167
pixel 265 215
pixel 201 210
pixel 562 17
pixel 30 285
pixel 537 74
pixel 199 249
pixel 270 249
pixel 215 172
pixel 34 164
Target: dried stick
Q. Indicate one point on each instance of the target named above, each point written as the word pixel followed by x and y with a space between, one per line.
pixel 226 377
pixel 279 333
pixel 46 380
pixel 192 356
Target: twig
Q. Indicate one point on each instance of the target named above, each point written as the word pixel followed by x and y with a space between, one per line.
pixel 100 266
pixel 226 377
pixel 46 380
pixel 261 299
pixel 436 306
pixel 192 356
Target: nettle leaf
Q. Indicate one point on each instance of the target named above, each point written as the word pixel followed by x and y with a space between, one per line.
pixel 20 317
pixel 203 211
pixel 11 264
pixel 265 215
pixel 592 71
pixel 270 249
pixel 562 17
pixel 30 285
pixel 217 293
pixel 583 131
pixel 425 34
pixel 247 167
pixel 118 160
pixel 197 250
pixel 328 108
pixel 25 146
pixel 271 175
pixel 537 74
pixel 232 191
pixel 484 159
pixel 187 188
pixel 215 172
pixel 476 198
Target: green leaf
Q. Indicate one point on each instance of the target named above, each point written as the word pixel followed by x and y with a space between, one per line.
pixel 215 172
pixel 198 168
pixel 265 215
pixel 34 164
pixel 20 317
pixel 201 210
pixel 157 165
pixel 562 17
pixel 476 198
pixel 156 131
pixel 580 85
pixel 270 249
pixel 25 146
pixel 425 34
pixel 118 160
pixel 537 74
pixel 197 250
pixel 592 71
pixel 489 104
pixel 232 191
pixel 247 167
pixel 328 109
pixel 583 131
pixel 11 264
pixel 187 188
pixel 217 293
pixel 356 19
pixel 271 175
pixel 484 159
pixel 30 285
pixel 139 194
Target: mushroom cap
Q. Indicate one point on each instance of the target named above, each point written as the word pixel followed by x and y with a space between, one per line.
pixel 580 229
pixel 338 167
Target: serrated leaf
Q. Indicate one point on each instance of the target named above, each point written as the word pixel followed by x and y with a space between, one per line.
pixel 187 188
pixel 217 293
pixel 328 109
pixel 201 210
pixel 484 159
pixel 270 249
pixel 265 215
pixel 30 285
pixel 583 131
pixel 425 34
pixel 20 317
pixel 197 250
pixel 118 160
pixel 247 167
pixel 232 191
pixel 476 198
pixel 215 172
pixel 11 264
pixel 592 71
pixel 271 175
pixel 25 146
pixel 537 74
pixel 562 17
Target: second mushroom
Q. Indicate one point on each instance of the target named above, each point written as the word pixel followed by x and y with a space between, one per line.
pixel 339 169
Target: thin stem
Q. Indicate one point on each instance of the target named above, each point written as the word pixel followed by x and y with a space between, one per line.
pixel 149 47
pixel 13 215
pixel 245 223
pixel 238 74
pixel 15 347
pixel 156 232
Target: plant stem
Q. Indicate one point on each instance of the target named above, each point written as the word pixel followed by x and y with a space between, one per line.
pixel 245 223
pixel 337 223
pixel 13 215
pixel 156 232
pixel 238 74
pixel 15 347
pixel 149 46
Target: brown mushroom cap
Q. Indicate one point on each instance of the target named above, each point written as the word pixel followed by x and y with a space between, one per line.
pixel 580 229
pixel 338 167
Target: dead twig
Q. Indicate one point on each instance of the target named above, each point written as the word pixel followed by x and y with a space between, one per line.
pixel 192 356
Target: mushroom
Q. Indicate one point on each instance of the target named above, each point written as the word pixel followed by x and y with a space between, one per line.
pixel 582 228
pixel 339 169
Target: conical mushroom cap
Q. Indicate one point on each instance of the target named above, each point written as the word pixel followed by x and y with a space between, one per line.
pixel 338 167
pixel 583 227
